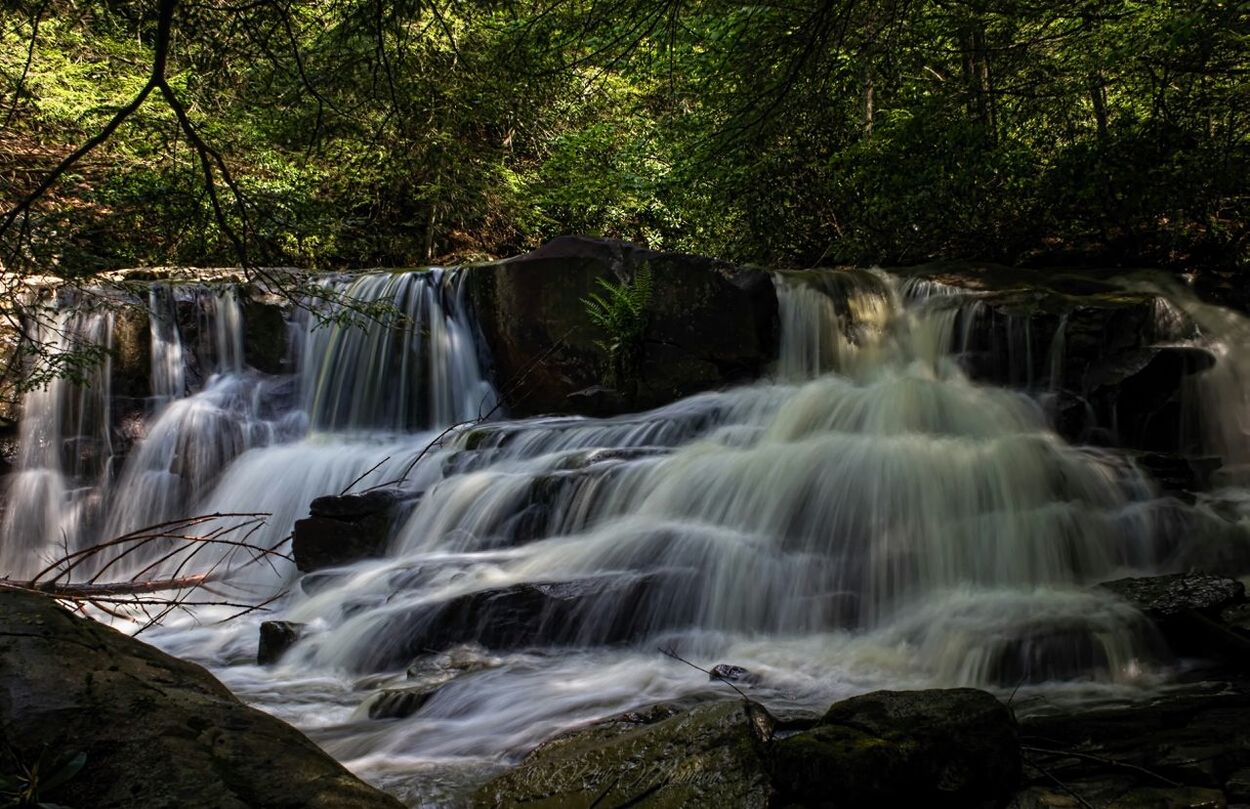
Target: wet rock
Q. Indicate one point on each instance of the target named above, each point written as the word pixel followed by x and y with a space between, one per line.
pixel 710 756
pixel 710 325
pixel 462 659
pixel 264 334
pixel 426 676
pixel 938 748
pixel 1167 596
pixel 276 637
pixel 399 703
pixel 156 732
pixel 731 673
pixel 132 353
pixel 592 611
pixel 1187 609
pixel 345 528
pixel 1181 749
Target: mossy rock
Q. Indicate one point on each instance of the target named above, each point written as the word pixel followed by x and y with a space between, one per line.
pixel 936 748
pixel 711 756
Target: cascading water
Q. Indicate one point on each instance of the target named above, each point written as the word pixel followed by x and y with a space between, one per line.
pixel 870 517
pixel 63 445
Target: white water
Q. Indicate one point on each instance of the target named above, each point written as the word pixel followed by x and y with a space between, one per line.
pixel 870 518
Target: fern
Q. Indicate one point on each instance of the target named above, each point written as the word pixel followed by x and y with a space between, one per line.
pixel 620 310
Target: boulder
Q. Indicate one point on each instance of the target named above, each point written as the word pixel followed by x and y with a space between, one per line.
pixel 342 529
pixel 710 325
pixel 275 638
pixel 712 756
pixel 938 748
pixel 153 731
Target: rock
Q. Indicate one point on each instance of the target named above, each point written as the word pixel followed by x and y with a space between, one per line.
pixel 710 325
pixel 425 677
pixel 463 659
pixel 275 638
pixel 1187 608
pixel 399 703
pixel 712 756
pixel 1181 749
pixel 345 528
pixel 157 732
pixel 355 506
pixel 939 748
pixel 596 610
pixel 1114 363
pixel 132 352
pixel 731 673
pixel 264 334
pixel 1167 596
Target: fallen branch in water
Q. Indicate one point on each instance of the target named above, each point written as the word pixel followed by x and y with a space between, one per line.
pixel 220 545
pixel 711 675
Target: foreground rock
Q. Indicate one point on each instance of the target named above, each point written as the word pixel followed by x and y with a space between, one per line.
pixel 710 756
pixel 1185 750
pixel 711 325
pixel 953 748
pixel 939 748
pixel 157 732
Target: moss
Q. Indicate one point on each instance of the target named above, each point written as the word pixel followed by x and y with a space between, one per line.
pixel 705 757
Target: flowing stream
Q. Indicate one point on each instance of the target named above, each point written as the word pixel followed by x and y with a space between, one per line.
pixel 867 517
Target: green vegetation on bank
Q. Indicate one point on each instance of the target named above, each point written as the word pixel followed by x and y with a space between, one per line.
pixel 361 132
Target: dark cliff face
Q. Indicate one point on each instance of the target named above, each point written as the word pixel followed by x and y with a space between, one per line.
pixel 710 325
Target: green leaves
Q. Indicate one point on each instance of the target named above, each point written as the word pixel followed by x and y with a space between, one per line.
pixel 620 310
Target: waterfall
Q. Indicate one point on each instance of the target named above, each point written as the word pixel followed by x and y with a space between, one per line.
pixel 868 515
pixel 414 367
pixel 411 367
pixel 169 378
pixel 63 443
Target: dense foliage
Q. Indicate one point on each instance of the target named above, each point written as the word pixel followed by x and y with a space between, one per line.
pixel 361 132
